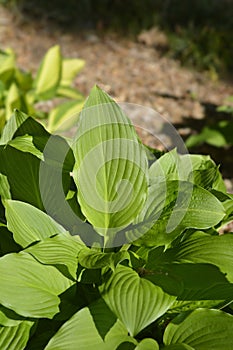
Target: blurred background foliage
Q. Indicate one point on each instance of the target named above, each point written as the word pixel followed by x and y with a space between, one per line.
pixel 199 31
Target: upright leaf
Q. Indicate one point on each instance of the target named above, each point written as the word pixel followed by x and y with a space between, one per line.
pixel 49 74
pixel 111 166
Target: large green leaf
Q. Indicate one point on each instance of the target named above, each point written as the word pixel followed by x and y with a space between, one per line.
pixel 61 250
pixel 202 329
pixel 49 74
pixel 111 165
pixel 28 223
pixel 30 288
pixel 70 68
pixel 171 208
pixel 134 300
pixel 16 337
pixel 93 327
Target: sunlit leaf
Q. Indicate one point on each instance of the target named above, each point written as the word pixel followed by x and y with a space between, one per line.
pixel 134 300
pixel 28 223
pixel 111 166
pixel 30 288
pixel 49 74
pixel 202 330
pixel 70 68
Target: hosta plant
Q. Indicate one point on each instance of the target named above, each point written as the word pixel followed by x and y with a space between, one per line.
pixel 104 248
pixel 18 88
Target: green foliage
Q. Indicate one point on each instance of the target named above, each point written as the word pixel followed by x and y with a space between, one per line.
pixel 218 134
pixel 79 274
pixel 54 78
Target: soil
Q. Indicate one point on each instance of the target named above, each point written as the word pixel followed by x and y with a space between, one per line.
pixel 130 71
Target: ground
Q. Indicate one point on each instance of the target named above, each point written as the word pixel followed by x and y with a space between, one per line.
pixel 130 71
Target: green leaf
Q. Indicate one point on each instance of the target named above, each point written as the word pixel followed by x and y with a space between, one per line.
pixel 203 264
pixel 171 208
pixel 24 79
pixel 17 119
pixel 14 100
pixel 49 74
pixel 30 288
pixel 111 165
pixel 91 259
pixel 70 68
pixel 64 116
pixel 7 65
pixel 9 318
pixel 70 92
pixel 91 327
pixel 218 135
pixel 134 300
pixel 12 338
pixel 198 169
pixel 28 223
pixel 178 347
pixel 147 344
pixel 25 144
pixel 202 329
pixel 169 167
pixel 61 250
pixel 5 192
pixel 22 171
pixel 203 248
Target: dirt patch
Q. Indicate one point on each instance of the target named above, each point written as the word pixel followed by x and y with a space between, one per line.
pixel 130 71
